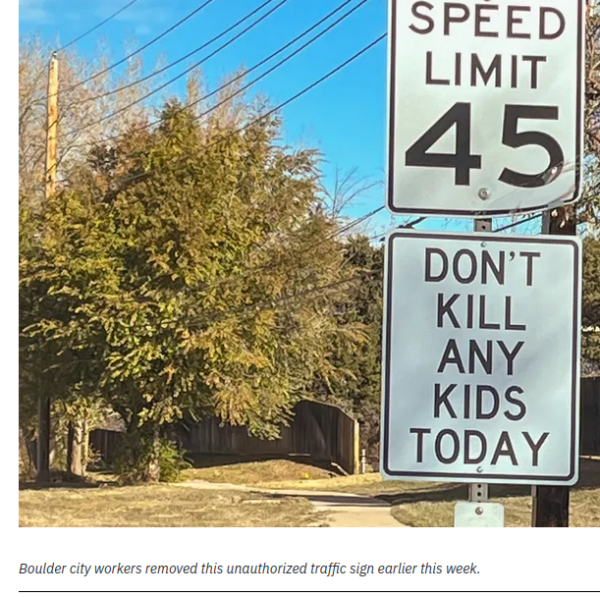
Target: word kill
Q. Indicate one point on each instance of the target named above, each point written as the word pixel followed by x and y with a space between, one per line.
pixel 486 20
pixel 495 358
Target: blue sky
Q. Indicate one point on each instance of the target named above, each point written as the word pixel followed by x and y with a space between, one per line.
pixel 344 117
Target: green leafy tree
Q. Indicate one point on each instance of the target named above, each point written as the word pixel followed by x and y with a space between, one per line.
pixel 591 299
pixel 187 271
pixel 588 208
pixel 356 385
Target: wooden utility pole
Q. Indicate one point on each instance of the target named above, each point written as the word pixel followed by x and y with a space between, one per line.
pixel 51 126
pixel 551 503
pixel 43 440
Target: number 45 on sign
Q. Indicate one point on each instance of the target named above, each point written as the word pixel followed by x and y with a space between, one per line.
pixel 486 105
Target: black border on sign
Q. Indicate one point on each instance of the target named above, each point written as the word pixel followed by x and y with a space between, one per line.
pixel 486 237
pixel 482 212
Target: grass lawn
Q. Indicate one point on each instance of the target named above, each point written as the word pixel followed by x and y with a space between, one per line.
pixel 436 508
pixel 160 506
pixel 253 473
pixel 370 484
pixel 415 504
pixel 584 511
pixel 426 504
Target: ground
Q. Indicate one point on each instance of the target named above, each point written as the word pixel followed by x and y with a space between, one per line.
pixel 282 493
pixel 251 473
pixel 161 506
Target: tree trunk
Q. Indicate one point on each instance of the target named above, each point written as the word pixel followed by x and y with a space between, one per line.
pixel 27 454
pixel 139 460
pixel 153 472
pixel 85 447
pixel 43 457
pixel 75 449
pixel 70 440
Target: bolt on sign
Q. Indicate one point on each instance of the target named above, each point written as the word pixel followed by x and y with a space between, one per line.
pixel 485 105
pixel 481 358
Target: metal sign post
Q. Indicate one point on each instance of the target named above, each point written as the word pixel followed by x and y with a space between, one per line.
pixel 478 512
pixel 478 492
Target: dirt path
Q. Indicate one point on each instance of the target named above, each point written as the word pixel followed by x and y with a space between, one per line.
pixel 341 509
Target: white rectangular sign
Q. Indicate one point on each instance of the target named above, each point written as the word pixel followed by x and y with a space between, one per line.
pixel 481 358
pixel 485 105
pixel 474 514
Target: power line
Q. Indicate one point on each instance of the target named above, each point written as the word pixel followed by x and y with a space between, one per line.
pixel 179 60
pixel 266 115
pixel 361 219
pixel 271 304
pixel 74 41
pixel 275 109
pixel 414 222
pixel 144 47
pixel 246 72
pixel 354 278
pixel 519 222
pixel 263 117
pixel 269 264
pixel 151 93
pixel 406 226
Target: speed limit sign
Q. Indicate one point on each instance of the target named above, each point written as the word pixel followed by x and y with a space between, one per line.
pixel 486 105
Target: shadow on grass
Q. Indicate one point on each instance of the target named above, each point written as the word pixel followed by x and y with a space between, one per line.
pixel 61 480
pixel 333 499
pixel 589 478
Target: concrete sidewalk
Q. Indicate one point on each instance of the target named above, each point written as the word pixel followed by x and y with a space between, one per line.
pixel 341 509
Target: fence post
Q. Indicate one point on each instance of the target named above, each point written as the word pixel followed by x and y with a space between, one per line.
pixel 356 447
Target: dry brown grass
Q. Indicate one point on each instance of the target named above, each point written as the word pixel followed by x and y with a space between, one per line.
pixel 436 508
pixel 255 473
pixel 426 504
pixel 413 503
pixel 160 506
pixel 369 484
pixel 584 511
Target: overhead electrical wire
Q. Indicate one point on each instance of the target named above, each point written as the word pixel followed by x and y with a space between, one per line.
pixel 271 304
pixel 139 50
pixel 264 116
pixel 519 222
pixel 308 292
pixel 322 79
pixel 406 226
pixel 255 121
pixel 154 91
pixel 502 229
pixel 244 73
pixel 80 37
pixel 414 223
pixel 269 264
pixel 179 60
pixel 361 219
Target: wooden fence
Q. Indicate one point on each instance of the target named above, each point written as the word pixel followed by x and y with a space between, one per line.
pixel 105 444
pixel 318 431
pixel 590 416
